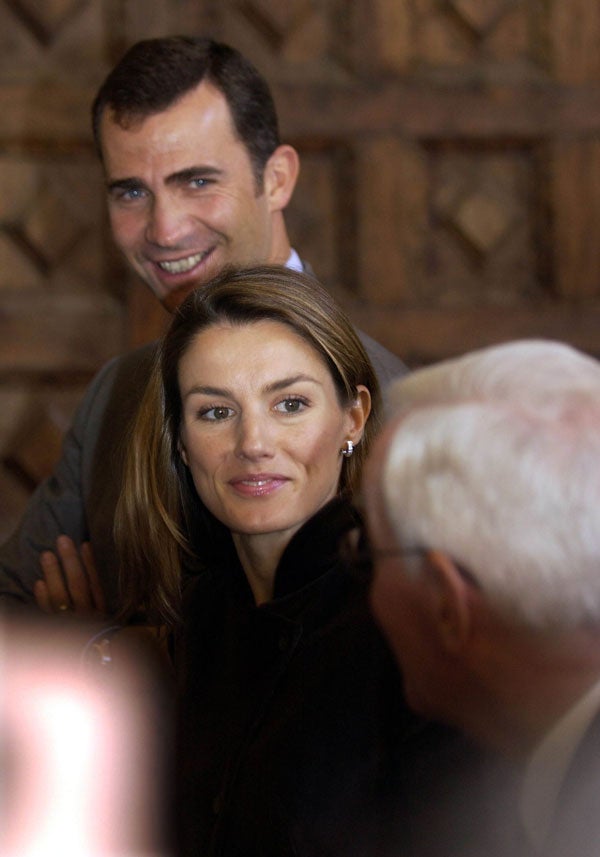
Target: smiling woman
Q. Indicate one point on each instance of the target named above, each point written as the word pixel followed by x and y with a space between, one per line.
pixel 244 458
pixel 262 429
pixel 260 383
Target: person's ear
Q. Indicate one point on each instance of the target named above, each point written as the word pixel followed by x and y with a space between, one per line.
pixel 451 600
pixel 358 414
pixel 182 452
pixel 280 176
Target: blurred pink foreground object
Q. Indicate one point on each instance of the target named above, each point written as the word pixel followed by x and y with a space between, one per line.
pixel 78 763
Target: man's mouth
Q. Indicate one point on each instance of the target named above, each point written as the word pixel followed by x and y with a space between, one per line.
pixel 181 266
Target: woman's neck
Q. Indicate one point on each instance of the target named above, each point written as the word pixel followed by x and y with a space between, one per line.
pixel 259 556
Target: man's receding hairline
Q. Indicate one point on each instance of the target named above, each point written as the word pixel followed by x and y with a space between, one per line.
pixel 128 120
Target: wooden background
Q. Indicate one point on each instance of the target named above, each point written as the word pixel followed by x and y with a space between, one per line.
pixel 449 195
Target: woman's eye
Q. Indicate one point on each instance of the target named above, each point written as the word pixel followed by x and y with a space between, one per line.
pixel 219 412
pixel 291 405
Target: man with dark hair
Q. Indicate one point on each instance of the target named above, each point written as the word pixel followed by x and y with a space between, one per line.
pixel 196 179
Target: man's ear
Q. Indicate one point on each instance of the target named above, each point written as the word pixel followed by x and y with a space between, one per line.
pixel 281 174
pixel 452 600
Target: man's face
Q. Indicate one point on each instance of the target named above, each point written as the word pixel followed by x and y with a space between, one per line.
pixel 182 195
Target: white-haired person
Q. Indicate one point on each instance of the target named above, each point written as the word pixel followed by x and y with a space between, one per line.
pixel 483 503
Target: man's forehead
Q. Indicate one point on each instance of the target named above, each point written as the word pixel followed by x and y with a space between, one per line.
pixel 200 112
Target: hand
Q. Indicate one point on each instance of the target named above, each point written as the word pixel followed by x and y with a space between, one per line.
pixel 70 581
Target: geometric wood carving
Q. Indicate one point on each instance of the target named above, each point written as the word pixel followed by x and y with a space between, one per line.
pixel 480 15
pixel 44 19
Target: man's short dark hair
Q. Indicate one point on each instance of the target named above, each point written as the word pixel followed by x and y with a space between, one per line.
pixel 154 73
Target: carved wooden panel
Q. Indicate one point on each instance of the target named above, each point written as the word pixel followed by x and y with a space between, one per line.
pixel 449 192
pixel 459 145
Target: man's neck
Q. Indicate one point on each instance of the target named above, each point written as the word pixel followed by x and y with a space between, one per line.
pixel 524 681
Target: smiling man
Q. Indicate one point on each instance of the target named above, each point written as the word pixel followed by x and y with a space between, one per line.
pixel 200 184
pixel 196 178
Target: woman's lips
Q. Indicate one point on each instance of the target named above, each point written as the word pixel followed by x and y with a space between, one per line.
pixel 257 486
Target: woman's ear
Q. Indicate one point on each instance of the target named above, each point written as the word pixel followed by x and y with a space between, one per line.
pixel 280 176
pixel 182 452
pixel 358 413
pixel 451 598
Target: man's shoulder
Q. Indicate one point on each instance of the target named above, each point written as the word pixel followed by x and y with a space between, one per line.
pixel 138 359
pixel 387 365
pixel 130 368
pixel 115 390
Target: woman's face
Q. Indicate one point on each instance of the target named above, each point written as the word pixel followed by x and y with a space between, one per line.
pixel 262 426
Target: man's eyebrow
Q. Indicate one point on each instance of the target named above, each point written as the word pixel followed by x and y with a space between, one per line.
pixel 179 177
pixel 190 173
pixel 125 184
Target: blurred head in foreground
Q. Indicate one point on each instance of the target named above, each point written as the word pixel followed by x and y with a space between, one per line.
pixel 483 503
pixel 81 769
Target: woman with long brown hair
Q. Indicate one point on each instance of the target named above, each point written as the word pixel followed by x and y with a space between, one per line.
pixel 244 459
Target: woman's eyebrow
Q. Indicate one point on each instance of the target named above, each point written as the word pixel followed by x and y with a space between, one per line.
pixel 274 386
pixel 201 389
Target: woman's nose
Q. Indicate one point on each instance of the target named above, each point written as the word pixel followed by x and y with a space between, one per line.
pixel 255 438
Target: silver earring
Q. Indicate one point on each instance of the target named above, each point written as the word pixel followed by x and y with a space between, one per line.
pixel 347 449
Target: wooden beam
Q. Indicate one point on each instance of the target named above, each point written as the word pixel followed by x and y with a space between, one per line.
pixel 424 335
pixel 427 111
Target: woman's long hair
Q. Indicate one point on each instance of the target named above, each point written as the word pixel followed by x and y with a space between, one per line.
pixel 158 508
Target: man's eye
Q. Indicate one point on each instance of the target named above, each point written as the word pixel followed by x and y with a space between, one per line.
pixel 199 182
pixel 291 405
pixel 130 194
pixel 219 412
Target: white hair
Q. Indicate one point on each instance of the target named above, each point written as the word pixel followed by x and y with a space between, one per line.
pixel 541 373
pixel 496 461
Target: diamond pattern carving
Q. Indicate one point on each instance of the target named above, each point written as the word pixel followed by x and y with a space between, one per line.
pixel 482 234
pixel 482 220
pixel 44 18
pixel 480 15
pixel 460 31
pixel 16 268
pixel 48 230
pixel 481 209
pixel 276 21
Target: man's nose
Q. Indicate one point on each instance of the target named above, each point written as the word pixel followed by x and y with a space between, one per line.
pixel 167 222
